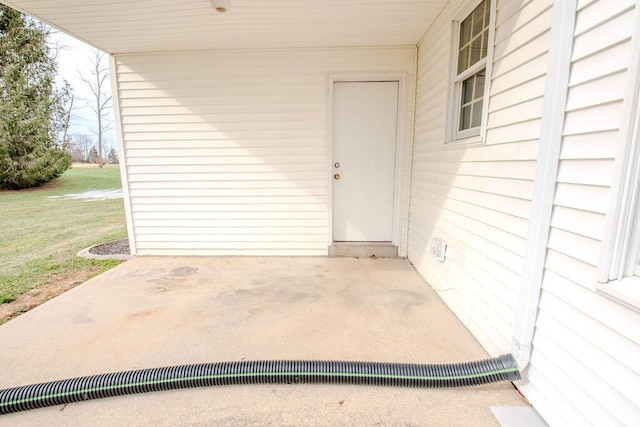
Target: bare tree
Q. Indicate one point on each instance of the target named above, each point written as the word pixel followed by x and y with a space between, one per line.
pixel 64 92
pixel 79 147
pixel 99 84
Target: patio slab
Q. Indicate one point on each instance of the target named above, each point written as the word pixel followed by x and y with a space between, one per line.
pixel 152 312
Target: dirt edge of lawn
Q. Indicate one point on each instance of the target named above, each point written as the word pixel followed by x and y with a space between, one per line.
pixel 44 293
pixel 60 284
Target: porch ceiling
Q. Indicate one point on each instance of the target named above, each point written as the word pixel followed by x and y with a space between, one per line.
pixel 133 26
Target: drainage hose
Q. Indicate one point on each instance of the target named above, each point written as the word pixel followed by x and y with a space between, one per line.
pixel 503 368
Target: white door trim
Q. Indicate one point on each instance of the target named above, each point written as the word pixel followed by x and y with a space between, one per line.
pixel 401 78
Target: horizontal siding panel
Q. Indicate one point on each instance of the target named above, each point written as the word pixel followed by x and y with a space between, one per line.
pixel 586 172
pixel 225 183
pixel 590 225
pixel 511 73
pixel 509 19
pixel 603 63
pixel 251 84
pixel 164 103
pixel 232 252
pixel 509 39
pixel 508 223
pixel 582 197
pixel 591 94
pixel 185 201
pixel 524 111
pixel 508 58
pixel 574 245
pixel 607 34
pixel 161 113
pixel 231 208
pixel 212 161
pixel 224 135
pixel 522 93
pixel 515 207
pixel 202 118
pixel 570 268
pixel 527 150
pixel 593 15
pixel 193 247
pixel 230 180
pixel 591 146
pixel 152 147
pixel 517 132
pixel 227 122
pixel 231 225
pixel 506 169
pixel 595 119
pixel 226 152
pixel 207 235
pixel 158 217
pixel 507 241
pixel 233 169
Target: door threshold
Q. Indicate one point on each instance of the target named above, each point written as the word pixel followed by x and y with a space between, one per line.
pixel 363 250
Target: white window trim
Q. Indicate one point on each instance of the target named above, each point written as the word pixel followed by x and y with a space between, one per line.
pixel 617 266
pixel 476 135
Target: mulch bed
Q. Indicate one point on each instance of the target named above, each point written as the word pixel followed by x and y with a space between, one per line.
pixel 119 247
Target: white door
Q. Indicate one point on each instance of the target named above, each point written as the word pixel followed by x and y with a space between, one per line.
pixel 365 116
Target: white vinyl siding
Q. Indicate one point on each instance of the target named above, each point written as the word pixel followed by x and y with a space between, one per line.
pixel 478 199
pixel 585 367
pixel 226 151
pixel 585 363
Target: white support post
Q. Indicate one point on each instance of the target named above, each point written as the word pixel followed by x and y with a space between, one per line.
pixel 122 157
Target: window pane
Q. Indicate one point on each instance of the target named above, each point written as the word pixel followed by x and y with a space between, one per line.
pixel 476 50
pixel 476 114
pixel 465 118
pixel 465 32
pixel 467 90
pixel 478 19
pixel 463 60
pixel 478 91
pixel 472 97
pixel 485 43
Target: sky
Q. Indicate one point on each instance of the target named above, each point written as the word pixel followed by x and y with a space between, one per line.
pixel 73 60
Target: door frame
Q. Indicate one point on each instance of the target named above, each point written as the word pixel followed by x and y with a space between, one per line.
pixel 401 135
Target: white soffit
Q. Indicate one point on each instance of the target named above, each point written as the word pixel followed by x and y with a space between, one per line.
pixel 134 26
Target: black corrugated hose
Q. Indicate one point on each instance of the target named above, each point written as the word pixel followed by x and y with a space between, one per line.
pixel 502 368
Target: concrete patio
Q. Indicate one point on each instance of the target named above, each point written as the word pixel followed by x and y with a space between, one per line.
pixel 152 312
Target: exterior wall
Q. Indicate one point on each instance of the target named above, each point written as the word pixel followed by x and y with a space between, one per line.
pixel 584 367
pixel 478 198
pixel 226 151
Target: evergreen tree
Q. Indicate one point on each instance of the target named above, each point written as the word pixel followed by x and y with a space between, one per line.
pixel 31 110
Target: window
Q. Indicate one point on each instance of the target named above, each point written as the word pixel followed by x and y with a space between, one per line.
pixel 619 266
pixel 473 35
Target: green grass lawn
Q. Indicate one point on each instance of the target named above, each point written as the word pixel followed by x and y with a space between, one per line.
pixel 40 235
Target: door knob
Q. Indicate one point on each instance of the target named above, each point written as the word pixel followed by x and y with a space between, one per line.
pixel 336 165
pixel 336 176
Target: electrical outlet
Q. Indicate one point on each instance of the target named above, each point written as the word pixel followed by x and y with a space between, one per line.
pixel 438 249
